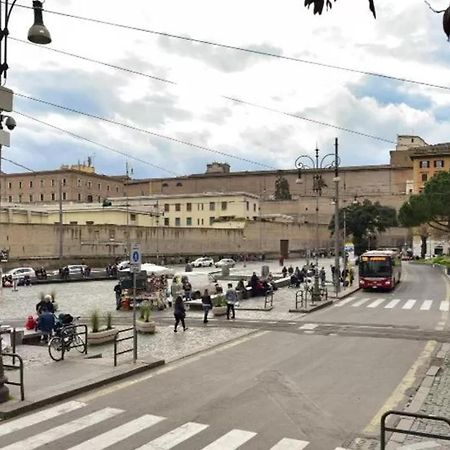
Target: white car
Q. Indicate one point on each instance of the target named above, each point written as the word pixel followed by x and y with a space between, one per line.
pixel 20 273
pixel 151 269
pixel 225 262
pixel 203 262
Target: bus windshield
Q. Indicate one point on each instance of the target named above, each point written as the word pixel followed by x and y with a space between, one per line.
pixel 375 267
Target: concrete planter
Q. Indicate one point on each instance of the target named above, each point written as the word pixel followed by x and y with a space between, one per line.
pixel 146 327
pixel 101 337
pixel 219 310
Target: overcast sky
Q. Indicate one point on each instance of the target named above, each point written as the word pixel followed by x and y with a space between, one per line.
pixel 405 41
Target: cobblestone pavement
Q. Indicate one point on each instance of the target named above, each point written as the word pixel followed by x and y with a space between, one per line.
pixel 164 344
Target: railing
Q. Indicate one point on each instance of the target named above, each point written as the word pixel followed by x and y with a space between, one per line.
pixel 118 340
pixel 302 295
pixel 268 299
pixel 71 331
pixel 385 428
pixel 13 366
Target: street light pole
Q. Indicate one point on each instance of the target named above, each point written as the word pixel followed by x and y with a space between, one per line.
pixel 337 246
pixel 303 162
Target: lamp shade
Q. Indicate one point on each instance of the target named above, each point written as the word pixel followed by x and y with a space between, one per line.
pixel 38 33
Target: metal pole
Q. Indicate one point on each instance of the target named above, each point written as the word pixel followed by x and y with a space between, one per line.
pixel 134 320
pixel 345 238
pixel 1 233
pixel 61 223
pixel 336 220
pixel 4 391
pixel 317 187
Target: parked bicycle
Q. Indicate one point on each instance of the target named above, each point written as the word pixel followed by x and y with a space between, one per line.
pixel 65 338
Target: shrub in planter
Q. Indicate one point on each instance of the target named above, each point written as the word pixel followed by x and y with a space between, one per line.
pixel 219 305
pixel 98 335
pixel 144 324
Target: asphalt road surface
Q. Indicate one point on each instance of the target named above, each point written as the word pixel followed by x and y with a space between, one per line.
pixel 316 384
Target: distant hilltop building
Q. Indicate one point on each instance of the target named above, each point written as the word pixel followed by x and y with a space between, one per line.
pixel 216 167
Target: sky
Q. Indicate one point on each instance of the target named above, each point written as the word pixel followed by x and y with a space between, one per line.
pixel 405 41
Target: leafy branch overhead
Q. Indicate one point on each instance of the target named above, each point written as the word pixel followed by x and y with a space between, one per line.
pixel 320 4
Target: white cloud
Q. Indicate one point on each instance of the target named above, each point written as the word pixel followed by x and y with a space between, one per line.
pixel 406 40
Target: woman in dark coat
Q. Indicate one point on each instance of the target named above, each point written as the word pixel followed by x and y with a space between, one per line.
pixel 179 313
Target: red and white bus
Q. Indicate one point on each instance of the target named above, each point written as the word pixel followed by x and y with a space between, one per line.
pixel 380 269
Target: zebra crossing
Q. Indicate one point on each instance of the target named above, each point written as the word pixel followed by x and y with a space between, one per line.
pixel 119 434
pixel 396 303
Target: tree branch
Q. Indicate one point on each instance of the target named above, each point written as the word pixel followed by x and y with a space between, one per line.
pixel 432 9
pixel 444 229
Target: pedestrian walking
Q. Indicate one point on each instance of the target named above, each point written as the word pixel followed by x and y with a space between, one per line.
pixel 187 288
pixel 351 276
pixel 231 298
pixel 118 292
pixel 322 276
pixel 206 304
pixel 179 313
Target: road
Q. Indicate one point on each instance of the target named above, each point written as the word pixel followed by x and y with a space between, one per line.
pixel 317 383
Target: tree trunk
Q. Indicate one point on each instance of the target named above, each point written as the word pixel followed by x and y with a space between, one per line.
pixel 423 246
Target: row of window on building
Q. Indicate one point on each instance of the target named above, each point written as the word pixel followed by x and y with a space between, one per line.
pixel 201 206
pixel 189 222
pixel 51 197
pixel 53 183
pixel 438 163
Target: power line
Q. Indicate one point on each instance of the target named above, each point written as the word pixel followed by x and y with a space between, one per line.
pixel 243 49
pixel 141 130
pixel 232 99
pixel 107 147
pixel 18 164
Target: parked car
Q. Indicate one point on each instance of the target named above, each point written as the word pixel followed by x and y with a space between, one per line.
pixel 203 262
pixel 225 262
pixel 20 273
pixel 199 282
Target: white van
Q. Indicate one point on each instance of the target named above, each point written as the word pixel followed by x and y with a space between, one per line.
pixel 199 281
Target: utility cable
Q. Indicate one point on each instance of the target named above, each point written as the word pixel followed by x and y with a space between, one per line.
pixel 141 130
pixel 232 99
pixel 242 49
pixel 18 164
pixel 107 147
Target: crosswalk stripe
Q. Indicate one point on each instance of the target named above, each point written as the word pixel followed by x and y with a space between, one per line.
pixel 376 303
pixel 230 441
pixel 174 437
pixel 309 326
pixel 426 305
pixel 361 302
pixel 290 444
pixel 52 434
pixel 344 302
pixel 409 304
pixel 444 305
pixel 118 434
pixel 41 416
pixel 393 303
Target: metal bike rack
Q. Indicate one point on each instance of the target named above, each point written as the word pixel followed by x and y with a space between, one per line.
pixel 385 428
pixel 268 299
pixel 65 331
pixel 13 366
pixel 118 341
pixel 301 298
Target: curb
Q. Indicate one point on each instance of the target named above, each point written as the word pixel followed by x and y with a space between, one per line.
pixel 313 308
pixel 346 294
pixel 8 410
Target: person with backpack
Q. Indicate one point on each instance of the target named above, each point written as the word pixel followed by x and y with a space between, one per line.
pixel 206 304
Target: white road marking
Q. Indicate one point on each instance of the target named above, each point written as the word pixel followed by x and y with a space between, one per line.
pixel 409 304
pixel 174 437
pixel 309 326
pixel 376 303
pixel 41 416
pixel 360 302
pixel 52 434
pixel 230 441
pixel 118 434
pixel 426 305
pixel 344 302
pixel 420 446
pixel 393 303
pixel 290 444
pixel 444 305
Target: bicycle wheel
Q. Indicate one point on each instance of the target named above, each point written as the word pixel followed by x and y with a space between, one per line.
pixel 79 344
pixel 55 348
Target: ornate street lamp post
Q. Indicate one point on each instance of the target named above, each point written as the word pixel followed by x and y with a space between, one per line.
pixel 317 165
pixel 38 34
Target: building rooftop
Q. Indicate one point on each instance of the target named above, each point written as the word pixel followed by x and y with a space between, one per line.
pixel 432 150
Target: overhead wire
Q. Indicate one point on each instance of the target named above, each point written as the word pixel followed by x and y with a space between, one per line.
pixel 241 49
pixel 141 130
pixel 232 99
pixel 107 147
pixel 17 164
